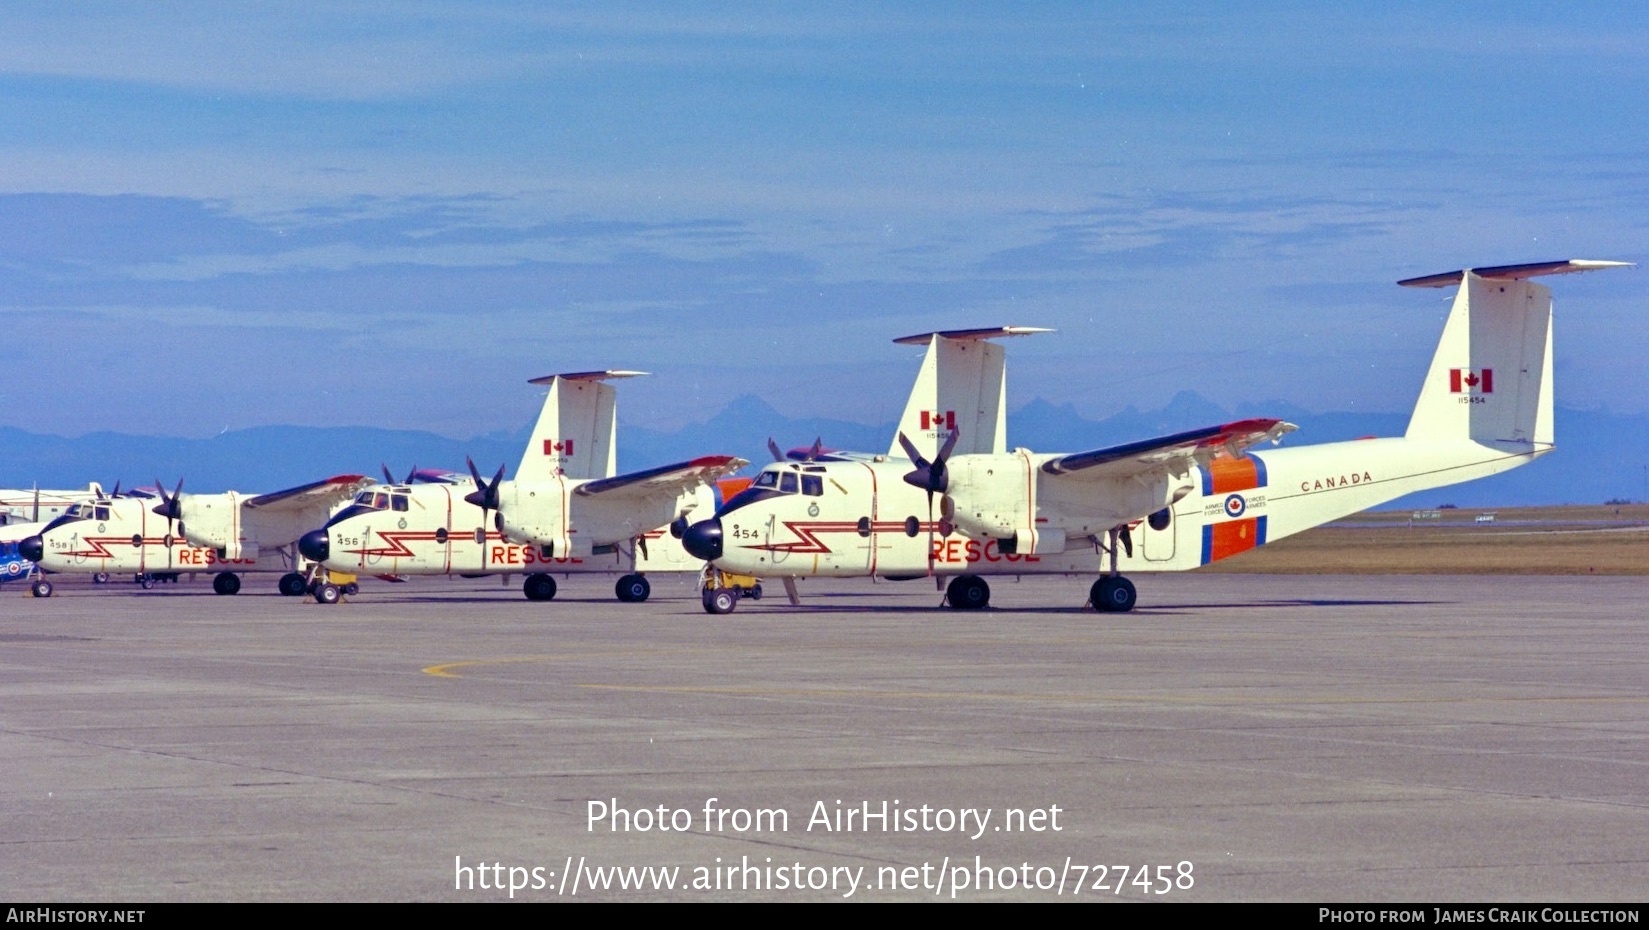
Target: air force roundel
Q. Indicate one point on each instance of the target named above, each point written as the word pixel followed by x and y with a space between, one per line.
pixel 1235 505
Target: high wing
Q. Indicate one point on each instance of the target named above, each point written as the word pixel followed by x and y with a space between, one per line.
pixel 16 532
pixel 1175 454
pixel 324 494
pixel 677 477
pixel 821 454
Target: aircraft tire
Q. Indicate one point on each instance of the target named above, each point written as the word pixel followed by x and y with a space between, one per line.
pixel 41 589
pixel 1113 595
pixel 328 594
pixel 720 600
pixel 632 589
pixel 538 587
pixel 226 583
pixel 100 578
pixel 968 592
pixel 291 585
pixel 352 589
pixel 145 582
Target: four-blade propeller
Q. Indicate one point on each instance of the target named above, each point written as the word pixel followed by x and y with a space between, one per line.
pixel 932 477
pixel 168 506
pixel 485 496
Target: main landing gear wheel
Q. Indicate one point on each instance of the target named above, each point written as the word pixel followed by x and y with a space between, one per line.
pixel 328 593
pixel 720 600
pixel 1113 594
pixel 291 584
pixel 968 592
pixel 100 578
pixel 41 589
pixel 145 582
pixel 226 583
pixel 632 589
pixel 538 587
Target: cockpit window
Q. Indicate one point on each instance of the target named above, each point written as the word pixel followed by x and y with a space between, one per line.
pixel 787 483
pixel 398 502
pixel 813 485
pixel 376 500
pixel 767 479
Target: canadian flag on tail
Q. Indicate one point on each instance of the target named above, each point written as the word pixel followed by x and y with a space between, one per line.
pixel 1471 381
pixel 937 420
pixel 557 447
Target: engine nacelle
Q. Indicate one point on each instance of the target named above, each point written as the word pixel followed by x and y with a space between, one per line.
pixel 536 514
pixel 987 495
pixel 212 521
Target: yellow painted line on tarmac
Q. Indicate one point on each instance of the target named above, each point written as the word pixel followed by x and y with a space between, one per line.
pixel 446 669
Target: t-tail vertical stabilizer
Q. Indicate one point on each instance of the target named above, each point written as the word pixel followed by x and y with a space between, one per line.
pixel 576 432
pixel 961 388
pixel 1485 408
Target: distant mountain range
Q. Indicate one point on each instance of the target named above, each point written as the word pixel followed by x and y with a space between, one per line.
pixel 1600 456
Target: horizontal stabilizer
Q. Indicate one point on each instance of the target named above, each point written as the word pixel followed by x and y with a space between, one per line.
pixel 679 476
pixel 588 376
pixel 971 335
pixel 327 491
pixel 1148 454
pixel 1513 272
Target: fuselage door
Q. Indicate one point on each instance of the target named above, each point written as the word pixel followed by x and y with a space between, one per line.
pixel 1158 534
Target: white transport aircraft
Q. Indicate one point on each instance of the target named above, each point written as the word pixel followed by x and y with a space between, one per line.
pixel 955 504
pixel 38 505
pixel 566 510
pixel 154 535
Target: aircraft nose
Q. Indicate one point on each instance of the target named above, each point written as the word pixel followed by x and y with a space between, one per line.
pixel 32 548
pixel 314 545
pixel 703 539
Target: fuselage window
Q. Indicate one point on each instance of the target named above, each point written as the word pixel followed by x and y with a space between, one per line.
pixel 864 526
pixel 912 527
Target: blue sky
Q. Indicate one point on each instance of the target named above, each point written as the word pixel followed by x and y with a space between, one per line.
pixel 394 214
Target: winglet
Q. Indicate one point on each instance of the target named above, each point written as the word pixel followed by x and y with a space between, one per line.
pixel 1514 272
